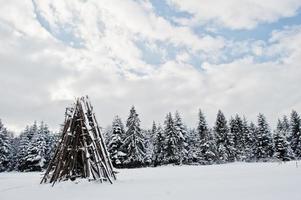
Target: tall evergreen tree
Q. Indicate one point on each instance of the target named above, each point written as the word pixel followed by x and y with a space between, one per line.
pixel 134 141
pixel 115 142
pixel 158 154
pixel 193 149
pixel 173 142
pixel 49 139
pixel 236 128
pixel 285 127
pixel 264 149
pixel 35 148
pixel 5 149
pixel 181 132
pixel 206 147
pixel 230 143
pixel 149 148
pixel 282 149
pixel 24 141
pixel 221 132
pixel 36 152
pixel 250 140
pixel 295 133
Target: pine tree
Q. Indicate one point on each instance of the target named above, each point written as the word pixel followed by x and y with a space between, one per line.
pixel 15 143
pixel 206 148
pixel 221 131
pixel 250 140
pixel 181 132
pixel 39 147
pixel 285 126
pixel 35 148
pixel 158 154
pixel 173 142
pixel 150 138
pixel 24 140
pixel 295 133
pixel 47 138
pixel 193 149
pixel 236 128
pixel 148 144
pixel 230 143
pixel 115 142
pixel 282 149
pixel 36 152
pixel 5 149
pixel 134 141
pixel 264 149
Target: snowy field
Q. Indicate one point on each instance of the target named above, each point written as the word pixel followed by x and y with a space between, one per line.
pixel 256 181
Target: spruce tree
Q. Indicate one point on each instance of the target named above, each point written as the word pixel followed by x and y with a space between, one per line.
pixel 236 128
pixel 181 132
pixel 158 154
pixel 193 149
pixel 134 141
pixel 250 140
pixel 5 149
pixel 36 152
pixel 282 149
pixel 39 148
pixel 221 132
pixel 173 143
pixel 230 144
pixel 264 149
pixel 22 150
pixel 206 148
pixel 35 148
pixel 285 126
pixel 49 139
pixel 148 144
pixel 115 142
pixel 150 138
pixel 295 133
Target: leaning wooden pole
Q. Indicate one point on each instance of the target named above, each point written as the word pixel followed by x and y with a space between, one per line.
pixel 81 151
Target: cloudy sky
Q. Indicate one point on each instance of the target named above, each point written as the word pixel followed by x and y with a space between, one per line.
pixel 241 56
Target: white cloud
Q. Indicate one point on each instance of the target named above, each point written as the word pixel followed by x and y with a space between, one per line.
pixel 236 14
pixel 41 74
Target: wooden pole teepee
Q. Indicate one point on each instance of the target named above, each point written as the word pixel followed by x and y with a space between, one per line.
pixel 81 152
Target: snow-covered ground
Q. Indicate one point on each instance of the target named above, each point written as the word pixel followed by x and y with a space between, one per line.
pixel 256 181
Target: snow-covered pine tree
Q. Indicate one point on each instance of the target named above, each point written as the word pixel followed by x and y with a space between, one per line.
pixel 236 128
pixel 36 153
pixel 5 149
pixel 15 143
pixel 221 131
pixel 115 142
pixel 250 140
pixel 134 141
pixel 193 142
pixel 158 154
pixel 285 126
pixel 35 148
pixel 49 139
pixel 206 143
pixel 295 133
pixel 264 150
pixel 148 144
pixel 24 140
pixel 172 142
pixel 230 142
pixel 181 131
pixel 40 147
pixel 282 149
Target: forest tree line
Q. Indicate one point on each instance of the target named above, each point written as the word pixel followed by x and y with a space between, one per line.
pixel 129 146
